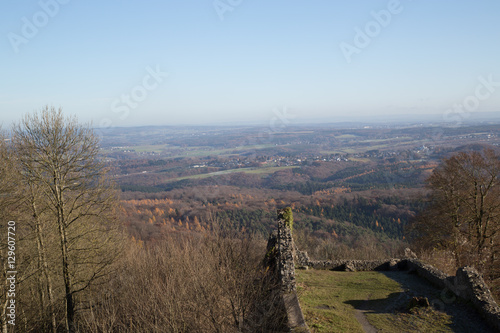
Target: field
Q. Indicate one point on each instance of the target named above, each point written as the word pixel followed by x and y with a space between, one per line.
pixel 257 171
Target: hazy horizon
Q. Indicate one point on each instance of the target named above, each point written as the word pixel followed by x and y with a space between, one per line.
pixel 242 62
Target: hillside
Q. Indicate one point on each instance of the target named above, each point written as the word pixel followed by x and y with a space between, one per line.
pixel 181 243
pixel 349 187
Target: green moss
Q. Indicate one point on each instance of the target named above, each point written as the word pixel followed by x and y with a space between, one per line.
pixel 287 215
pixel 271 252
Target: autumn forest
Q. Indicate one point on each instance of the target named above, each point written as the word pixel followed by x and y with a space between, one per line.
pixel 163 229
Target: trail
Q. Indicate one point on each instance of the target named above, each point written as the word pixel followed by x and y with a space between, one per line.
pixel 361 318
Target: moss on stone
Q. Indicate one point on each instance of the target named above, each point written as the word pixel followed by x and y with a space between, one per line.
pixel 287 215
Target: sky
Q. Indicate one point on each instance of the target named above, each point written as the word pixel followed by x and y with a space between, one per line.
pixel 165 62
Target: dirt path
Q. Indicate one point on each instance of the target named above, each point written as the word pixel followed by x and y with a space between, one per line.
pixel 361 318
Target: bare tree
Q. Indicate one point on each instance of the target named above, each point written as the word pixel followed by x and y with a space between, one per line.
pixel 36 212
pixel 464 211
pixel 59 161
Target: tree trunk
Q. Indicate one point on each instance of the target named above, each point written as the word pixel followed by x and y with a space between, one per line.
pixel 4 318
pixel 70 310
pixel 44 266
pixel 5 304
pixel 45 270
pixel 68 287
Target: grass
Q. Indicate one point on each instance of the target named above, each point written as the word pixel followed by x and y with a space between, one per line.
pixel 141 149
pixel 210 174
pixel 207 151
pixel 258 171
pixel 334 152
pixel 148 148
pixel 401 138
pixel 360 159
pixel 269 170
pixel 193 151
pixel 329 301
pixel 346 136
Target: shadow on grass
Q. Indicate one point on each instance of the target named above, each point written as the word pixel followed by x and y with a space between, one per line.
pixel 446 310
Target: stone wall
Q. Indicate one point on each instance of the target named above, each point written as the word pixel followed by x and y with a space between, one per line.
pixel 280 262
pixel 283 255
pixel 354 265
pixel 467 284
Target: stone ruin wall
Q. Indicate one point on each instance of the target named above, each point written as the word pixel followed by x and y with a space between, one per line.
pixel 280 259
pixel 467 284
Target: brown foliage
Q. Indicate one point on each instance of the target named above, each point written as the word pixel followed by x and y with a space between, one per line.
pixel 463 216
pixel 321 245
pixel 186 283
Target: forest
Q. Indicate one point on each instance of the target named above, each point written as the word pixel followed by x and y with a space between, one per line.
pixel 164 229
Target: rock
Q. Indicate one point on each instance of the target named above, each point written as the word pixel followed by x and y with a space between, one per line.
pixel 410 254
pixel 349 267
pixel 302 258
pixel 421 302
pixel 393 265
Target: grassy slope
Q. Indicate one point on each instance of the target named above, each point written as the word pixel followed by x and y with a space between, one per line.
pixel 329 301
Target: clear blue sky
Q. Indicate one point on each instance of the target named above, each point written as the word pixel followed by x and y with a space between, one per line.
pixel 88 56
